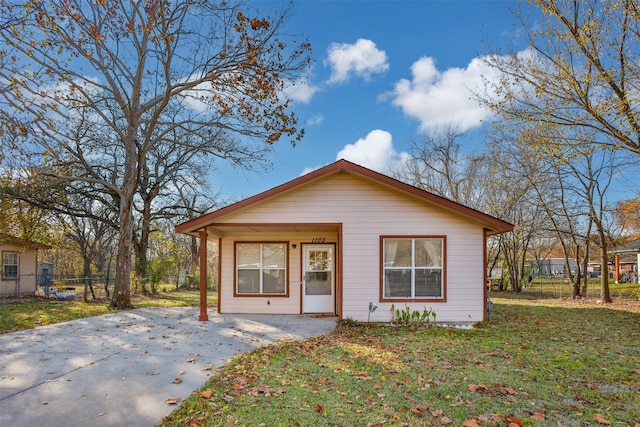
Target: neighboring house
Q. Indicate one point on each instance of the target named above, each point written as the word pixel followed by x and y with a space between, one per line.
pixel 627 259
pixel 339 238
pixel 19 265
pixel 552 267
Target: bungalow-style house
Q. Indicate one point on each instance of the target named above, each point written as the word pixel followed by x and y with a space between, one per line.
pixel 342 239
pixel 19 275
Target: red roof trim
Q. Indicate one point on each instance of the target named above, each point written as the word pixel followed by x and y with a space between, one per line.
pixel 343 166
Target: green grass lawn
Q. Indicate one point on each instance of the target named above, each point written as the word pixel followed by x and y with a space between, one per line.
pixel 26 313
pixel 537 362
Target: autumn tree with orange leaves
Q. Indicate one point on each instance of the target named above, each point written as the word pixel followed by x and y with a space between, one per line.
pixel 627 215
pixel 138 73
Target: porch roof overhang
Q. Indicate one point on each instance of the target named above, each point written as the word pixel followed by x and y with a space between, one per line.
pixel 220 230
pixel 630 247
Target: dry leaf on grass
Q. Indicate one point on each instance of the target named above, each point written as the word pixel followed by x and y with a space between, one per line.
pixel 538 417
pixel 601 420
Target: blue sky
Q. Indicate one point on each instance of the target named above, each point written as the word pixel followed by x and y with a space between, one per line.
pixel 384 73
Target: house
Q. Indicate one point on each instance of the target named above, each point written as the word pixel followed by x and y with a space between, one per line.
pixel 627 259
pixel 552 267
pixel 19 274
pixel 339 238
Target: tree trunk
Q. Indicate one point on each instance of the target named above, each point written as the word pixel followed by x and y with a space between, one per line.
pixel 142 246
pixel 605 296
pixel 121 298
pixel 575 284
pixel 87 279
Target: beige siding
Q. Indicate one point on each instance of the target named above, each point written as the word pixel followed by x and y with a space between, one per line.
pixel 27 269
pixel 366 212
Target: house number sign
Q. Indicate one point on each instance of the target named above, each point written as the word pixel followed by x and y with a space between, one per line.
pixel 317 240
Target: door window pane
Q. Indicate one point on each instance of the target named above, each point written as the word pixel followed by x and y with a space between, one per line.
pixel 318 283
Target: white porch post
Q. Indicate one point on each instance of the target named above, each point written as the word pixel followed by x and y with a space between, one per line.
pixel 203 275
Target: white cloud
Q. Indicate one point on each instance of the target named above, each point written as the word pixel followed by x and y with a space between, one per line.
pixel 315 120
pixel 362 59
pixel 439 98
pixel 375 151
pixel 300 91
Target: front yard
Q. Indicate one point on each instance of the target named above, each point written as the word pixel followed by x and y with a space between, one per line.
pixel 538 362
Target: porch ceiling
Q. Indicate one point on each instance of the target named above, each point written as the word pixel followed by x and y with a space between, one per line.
pixel 222 230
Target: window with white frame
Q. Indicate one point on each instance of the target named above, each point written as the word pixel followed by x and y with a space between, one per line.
pixel 261 268
pixel 413 267
pixel 9 265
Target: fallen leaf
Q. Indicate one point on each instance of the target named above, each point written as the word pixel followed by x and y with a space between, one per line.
pixel 206 393
pixel 437 413
pixel 509 390
pixel 177 380
pixel 601 420
pixel 538 417
pixel 476 387
pixel 445 420
pixel 416 411
pixel 172 400
pixel 471 423
pixel 207 367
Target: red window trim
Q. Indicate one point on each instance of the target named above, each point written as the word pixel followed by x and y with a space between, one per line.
pixel 444 269
pixel 235 270
pixel 5 278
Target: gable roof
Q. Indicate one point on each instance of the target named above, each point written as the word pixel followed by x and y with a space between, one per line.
pixel 23 242
pixel 492 224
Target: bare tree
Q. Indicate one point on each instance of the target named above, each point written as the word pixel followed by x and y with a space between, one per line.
pixel 581 73
pixel 439 165
pixel 124 65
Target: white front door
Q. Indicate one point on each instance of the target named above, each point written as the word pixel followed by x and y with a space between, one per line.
pixel 318 278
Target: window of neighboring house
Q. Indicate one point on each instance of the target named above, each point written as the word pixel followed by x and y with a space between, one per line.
pixel 413 268
pixel 9 265
pixel 261 268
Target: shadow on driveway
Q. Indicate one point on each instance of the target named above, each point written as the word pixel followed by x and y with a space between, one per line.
pixel 118 369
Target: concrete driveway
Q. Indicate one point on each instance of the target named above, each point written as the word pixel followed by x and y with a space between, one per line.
pixel 119 369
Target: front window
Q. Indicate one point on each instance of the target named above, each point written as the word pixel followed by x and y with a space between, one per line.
pixel 261 268
pixel 10 265
pixel 413 267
